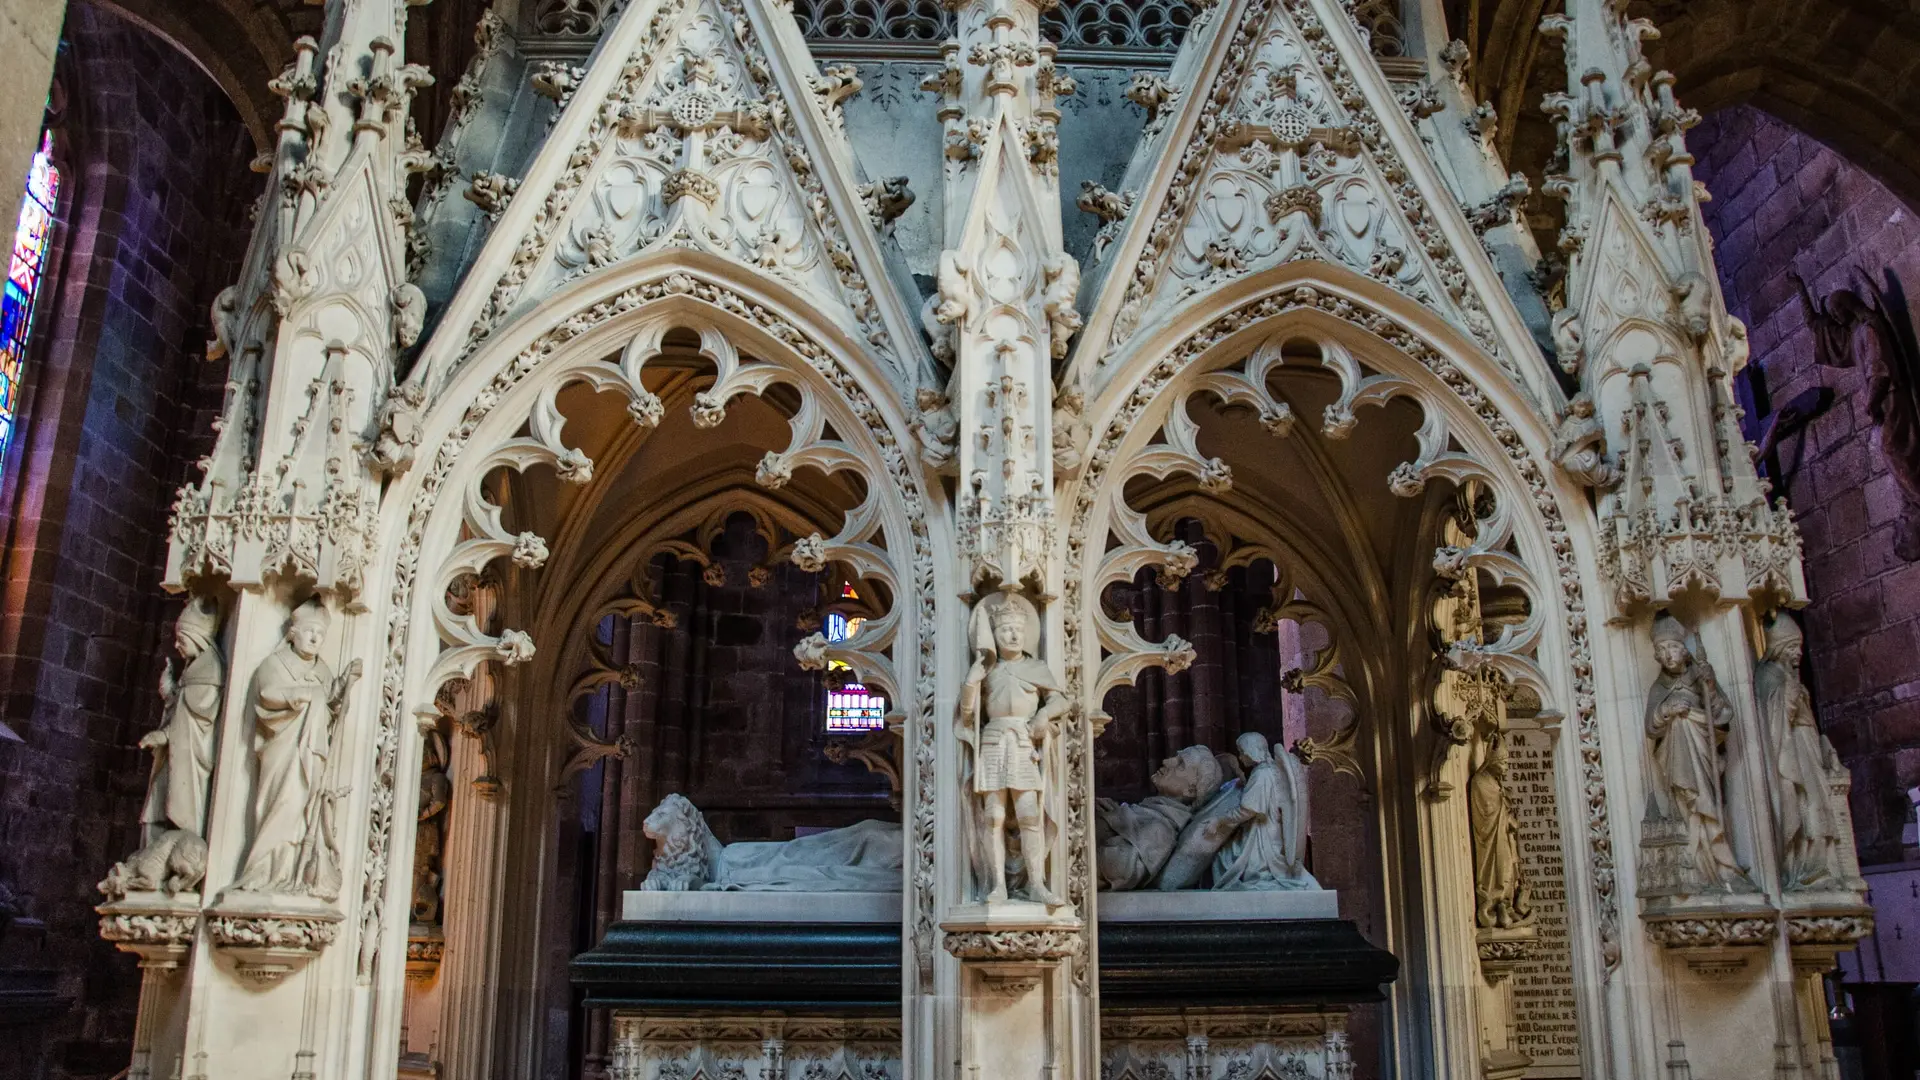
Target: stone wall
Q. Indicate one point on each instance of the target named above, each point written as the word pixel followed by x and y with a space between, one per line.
pixel 117 407
pixel 1783 201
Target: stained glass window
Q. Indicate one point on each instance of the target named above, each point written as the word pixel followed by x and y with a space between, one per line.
pixel 851 708
pixel 25 267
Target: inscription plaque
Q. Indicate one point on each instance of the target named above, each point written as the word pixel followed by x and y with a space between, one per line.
pixel 1545 1026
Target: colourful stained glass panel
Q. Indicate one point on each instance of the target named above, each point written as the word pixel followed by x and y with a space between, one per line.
pixel 851 708
pixel 26 266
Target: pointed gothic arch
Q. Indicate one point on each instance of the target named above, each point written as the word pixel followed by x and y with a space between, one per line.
pixel 1478 425
pixel 601 330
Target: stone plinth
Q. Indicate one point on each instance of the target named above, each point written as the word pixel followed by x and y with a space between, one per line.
pixel 1202 905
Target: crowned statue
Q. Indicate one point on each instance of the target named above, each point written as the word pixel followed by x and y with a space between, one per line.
pixel 1008 711
pixel 1801 757
pixel 1687 721
pixel 296 704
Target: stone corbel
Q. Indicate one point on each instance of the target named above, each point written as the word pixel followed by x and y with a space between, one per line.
pixel 1715 941
pixel 269 938
pixel 1011 961
pixel 157 928
pixel 1818 935
pixel 1501 951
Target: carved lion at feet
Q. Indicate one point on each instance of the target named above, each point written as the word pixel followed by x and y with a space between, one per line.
pixel 684 849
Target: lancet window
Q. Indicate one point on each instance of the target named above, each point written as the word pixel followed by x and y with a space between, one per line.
pixel 26 269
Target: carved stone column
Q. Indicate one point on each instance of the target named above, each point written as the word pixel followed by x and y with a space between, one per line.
pixel 1691 539
pixel 1005 313
pixel 300 893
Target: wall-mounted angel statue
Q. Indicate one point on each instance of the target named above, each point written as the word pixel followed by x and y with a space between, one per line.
pixel 1008 708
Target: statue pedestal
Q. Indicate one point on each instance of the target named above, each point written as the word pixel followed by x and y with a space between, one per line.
pixel 268 937
pixel 1714 935
pixel 155 927
pixel 1012 971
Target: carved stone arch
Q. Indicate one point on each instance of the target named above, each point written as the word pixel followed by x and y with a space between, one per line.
pixel 614 581
pixel 1479 425
pixel 1310 588
pixel 849 419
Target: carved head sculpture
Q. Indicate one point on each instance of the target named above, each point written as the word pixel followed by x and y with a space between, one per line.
pixel 1784 641
pixel 308 629
pixel 199 622
pixel 1253 748
pixel 1670 645
pixel 1193 774
pixel 1580 405
pixel 1005 623
pixel 927 399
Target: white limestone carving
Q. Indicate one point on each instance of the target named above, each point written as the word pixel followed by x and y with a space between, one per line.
pixel 866 857
pixel 296 703
pixel 1580 446
pixel 1683 844
pixel 1502 896
pixel 1008 707
pixel 1285 161
pixel 937 427
pixel 1269 850
pixel 1136 840
pixel 173 853
pixel 309 490
pixel 1806 815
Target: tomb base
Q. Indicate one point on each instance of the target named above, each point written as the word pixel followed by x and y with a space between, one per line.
pixel 1225 1044
pixel 722 1047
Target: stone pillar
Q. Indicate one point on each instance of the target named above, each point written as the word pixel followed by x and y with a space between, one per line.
pixel 1018 959
pixel 1698 559
pixel 29 37
pixel 302 916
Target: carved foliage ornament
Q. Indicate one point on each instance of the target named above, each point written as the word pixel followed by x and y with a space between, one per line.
pixel 1031 945
pixel 645 71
